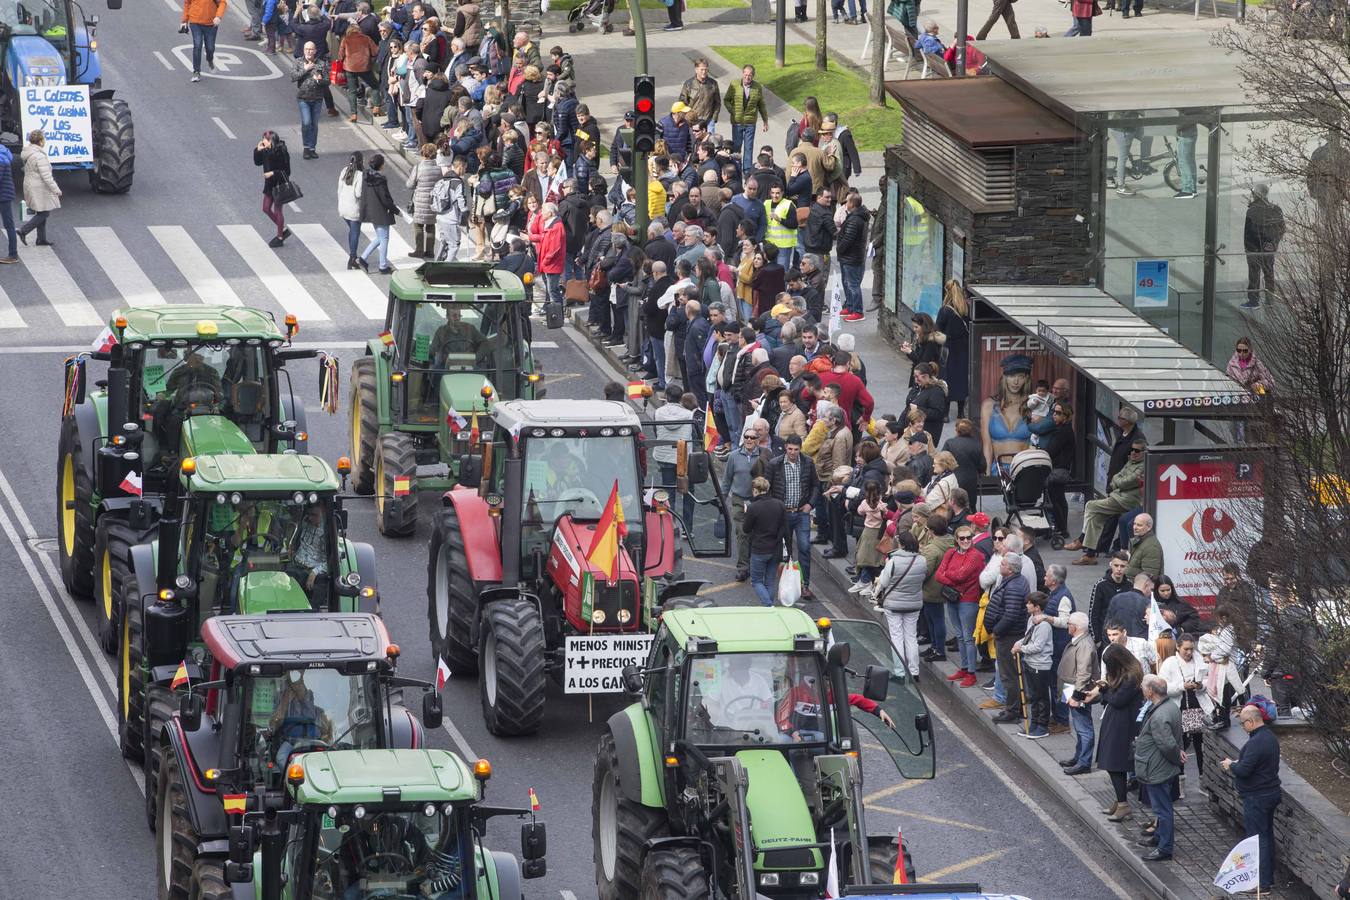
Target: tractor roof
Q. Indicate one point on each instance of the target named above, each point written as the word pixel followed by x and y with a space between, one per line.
pixel 295 638
pixel 384 776
pixel 742 629
pixel 262 472
pixel 568 414
pixel 196 322
pixel 465 282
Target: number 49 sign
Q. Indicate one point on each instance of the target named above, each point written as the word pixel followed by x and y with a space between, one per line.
pixel 1150 283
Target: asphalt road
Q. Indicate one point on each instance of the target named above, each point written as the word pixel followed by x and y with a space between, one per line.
pixel 71 815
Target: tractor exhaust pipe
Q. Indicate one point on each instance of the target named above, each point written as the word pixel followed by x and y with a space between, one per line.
pixel 512 501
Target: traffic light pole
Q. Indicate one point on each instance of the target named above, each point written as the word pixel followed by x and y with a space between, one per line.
pixel 639 182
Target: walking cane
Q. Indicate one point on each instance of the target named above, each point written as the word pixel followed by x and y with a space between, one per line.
pixel 1026 717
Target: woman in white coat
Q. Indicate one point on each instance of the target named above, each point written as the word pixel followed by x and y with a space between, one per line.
pixel 1186 674
pixel 40 190
pixel 349 203
pixel 899 593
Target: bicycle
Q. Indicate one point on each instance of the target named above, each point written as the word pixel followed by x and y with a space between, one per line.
pixel 1137 168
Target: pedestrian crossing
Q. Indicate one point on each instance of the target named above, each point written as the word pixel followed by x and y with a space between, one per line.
pixel 78 282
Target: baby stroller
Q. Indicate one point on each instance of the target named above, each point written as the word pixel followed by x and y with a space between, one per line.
pixel 1022 479
pixel 594 10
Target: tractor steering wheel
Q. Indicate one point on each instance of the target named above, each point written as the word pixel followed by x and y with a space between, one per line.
pixel 749 702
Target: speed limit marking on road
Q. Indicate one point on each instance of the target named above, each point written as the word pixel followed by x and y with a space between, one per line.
pixel 233 62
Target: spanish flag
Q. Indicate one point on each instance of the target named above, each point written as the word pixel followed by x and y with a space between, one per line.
pixel 711 437
pixel 474 433
pixel 638 390
pixel 534 801
pixel 604 552
pixel 235 804
pixel 386 338
pixel 402 485
pixel 180 676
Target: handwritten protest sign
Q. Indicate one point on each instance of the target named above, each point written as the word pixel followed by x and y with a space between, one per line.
pixel 62 112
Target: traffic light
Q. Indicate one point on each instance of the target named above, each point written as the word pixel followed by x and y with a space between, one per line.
pixel 644 113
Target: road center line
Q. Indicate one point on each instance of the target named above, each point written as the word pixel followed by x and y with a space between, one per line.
pixel 906 785
pixel 223 127
pixel 923 817
pixel 460 742
pixel 933 877
pixel 165 60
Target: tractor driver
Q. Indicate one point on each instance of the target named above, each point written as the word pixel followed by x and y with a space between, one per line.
pixel 252 534
pixel 423 852
pixel 455 336
pixel 564 469
pixel 309 555
pixel 298 720
pixel 738 695
pixel 191 384
pixel 192 371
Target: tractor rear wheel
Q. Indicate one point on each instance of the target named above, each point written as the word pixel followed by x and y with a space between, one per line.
pixel 113 540
pixel 159 710
pixel 674 873
pixel 511 667
pixel 130 678
pixel 74 513
pixel 452 602
pixel 365 424
pixel 881 862
pixel 620 828
pixel 176 844
pixel 396 458
pixel 208 881
pixel 114 146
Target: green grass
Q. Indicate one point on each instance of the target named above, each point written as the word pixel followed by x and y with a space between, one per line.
pixel 696 4
pixel 839 89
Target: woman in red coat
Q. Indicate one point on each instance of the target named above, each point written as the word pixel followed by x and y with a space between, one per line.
pixel 1083 12
pixel 960 570
pixel 550 246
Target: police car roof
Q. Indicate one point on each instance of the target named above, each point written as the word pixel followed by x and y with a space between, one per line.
pixel 565 414
pixel 301 637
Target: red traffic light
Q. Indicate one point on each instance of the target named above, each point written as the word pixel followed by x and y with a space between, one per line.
pixel 644 105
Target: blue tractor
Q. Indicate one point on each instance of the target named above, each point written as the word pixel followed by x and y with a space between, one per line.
pixel 51 43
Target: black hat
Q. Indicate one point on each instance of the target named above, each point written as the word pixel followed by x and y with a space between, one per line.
pixel 629 116
pixel 1017 362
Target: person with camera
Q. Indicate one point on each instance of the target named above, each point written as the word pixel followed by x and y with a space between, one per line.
pixel 311 81
pixel 270 153
pixel 201 18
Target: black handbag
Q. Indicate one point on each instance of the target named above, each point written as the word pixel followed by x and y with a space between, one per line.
pixel 285 191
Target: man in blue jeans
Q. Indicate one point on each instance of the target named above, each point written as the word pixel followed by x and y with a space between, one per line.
pixel 202 18
pixel 744 102
pixel 793 480
pixel 311 78
pixel 851 252
pixel 1256 775
pixel 1078 668
pixel 1158 759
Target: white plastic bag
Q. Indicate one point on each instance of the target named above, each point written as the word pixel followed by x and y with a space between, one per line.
pixel 790 584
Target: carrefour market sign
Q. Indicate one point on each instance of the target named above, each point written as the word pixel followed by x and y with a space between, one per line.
pixel 61 112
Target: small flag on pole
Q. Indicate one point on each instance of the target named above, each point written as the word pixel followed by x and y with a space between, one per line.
pixel 131 484
pixel 402 485
pixel 638 389
pixel 386 338
pixel 832 874
pixel 1241 869
pixel 442 675
pixel 534 801
pixel 899 877
pixel 711 437
pixel 474 433
pixel 180 676
pixel 235 804
pixel 609 532
pixel 105 341
pixel 1156 623
pixel 455 420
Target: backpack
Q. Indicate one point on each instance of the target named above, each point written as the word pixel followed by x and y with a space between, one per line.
pixel 447 195
pixel 1265 705
pixel 791 222
pixel 794 129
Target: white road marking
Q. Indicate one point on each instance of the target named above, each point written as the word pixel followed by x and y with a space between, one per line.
pixel 60 288
pixel 196 268
pixel 459 740
pixel 355 283
pixel 223 127
pixel 9 316
pixel 72 348
pixel 121 268
pixel 398 248
pixel 273 273
pixel 49 602
pixel 568 895
pixel 295 207
pixel 165 60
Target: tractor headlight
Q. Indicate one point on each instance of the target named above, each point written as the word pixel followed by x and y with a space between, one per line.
pixel 359 812
pixel 313 498
pixel 333 813
pixel 625 617
pixel 429 810
pixel 598 617
pixel 768 879
pixel 221 499
pixel 297 498
pixel 236 498
pixel 809 879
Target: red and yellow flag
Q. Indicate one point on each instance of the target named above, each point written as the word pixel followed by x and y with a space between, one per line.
pixel 474 433
pixel 235 804
pixel 386 338
pixel 604 552
pixel 534 801
pixel 638 389
pixel 180 676
pixel 402 485
pixel 711 436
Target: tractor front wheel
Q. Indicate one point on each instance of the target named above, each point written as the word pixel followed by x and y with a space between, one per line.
pixel 365 424
pixel 74 513
pixel 208 881
pixel 452 603
pixel 114 146
pixel 620 828
pixel 511 667
pixel 881 856
pixel 159 711
pixel 396 512
pixel 674 873
pixel 112 545
pixel 130 678
pixel 176 844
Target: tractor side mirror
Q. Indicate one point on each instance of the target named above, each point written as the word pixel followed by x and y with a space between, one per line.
pixel 922 723
pixel 432 713
pixel 553 315
pixel 470 470
pixel 239 867
pixel 632 679
pixel 837 656
pixel 114 4
pixel 342 519
pixel 876 683
pixel 533 848
pixel 698 468
pixel 190 711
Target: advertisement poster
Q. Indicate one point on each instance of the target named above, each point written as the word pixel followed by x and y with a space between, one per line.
pixel 921 262
pixel 994 342
pixel 1207 509
pixel 1150 283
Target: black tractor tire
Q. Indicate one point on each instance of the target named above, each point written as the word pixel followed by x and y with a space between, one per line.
pixel 452 600
pixel 176 840
pixel 633 825
pixel 364 416
pixel 130 678
pixel 159 710
pixel 208 881
pixel 113 540
pixel 75 550
pixel 511 667
pixel 674 873
pixel 114 146
pixel 881 863
pixel 396 516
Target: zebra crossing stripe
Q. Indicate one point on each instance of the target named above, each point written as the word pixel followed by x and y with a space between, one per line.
pixel 272 271
pixel 122 270
pixel 9 316
pixel 201 276
pixel 354 283
pixel 399 249
pixel 60 288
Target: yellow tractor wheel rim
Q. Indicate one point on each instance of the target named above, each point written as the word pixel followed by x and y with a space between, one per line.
pixel 356 432
pixel 107 586
pixel 68 505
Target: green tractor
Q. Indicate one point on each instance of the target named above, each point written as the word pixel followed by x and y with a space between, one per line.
pixel 220 369
pixel 375 823
pixel 245 534
pixel 265 689
pixel 456 335
pixel 731 776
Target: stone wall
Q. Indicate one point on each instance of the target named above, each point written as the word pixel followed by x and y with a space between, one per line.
pixel 1038 242
pixel 1312 836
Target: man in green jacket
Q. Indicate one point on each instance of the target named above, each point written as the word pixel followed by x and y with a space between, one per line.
pixel 744 102
pixel 1158 759
pixel 1146 554
pixel 934 607
pixel 1126 493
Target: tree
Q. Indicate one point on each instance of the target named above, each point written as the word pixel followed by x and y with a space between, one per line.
pixel 1301 618
pixel 822 49
pixel 877 92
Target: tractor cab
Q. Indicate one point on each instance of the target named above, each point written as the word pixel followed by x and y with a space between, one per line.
pixel 387 823
pixel 32 29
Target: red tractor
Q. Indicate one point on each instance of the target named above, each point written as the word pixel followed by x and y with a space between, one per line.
pixel 511 593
